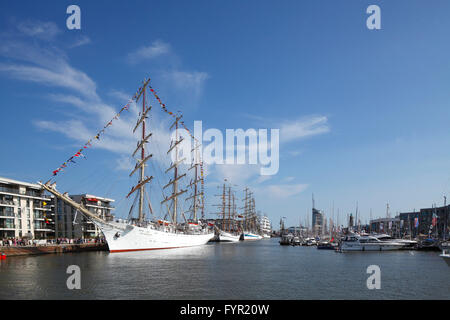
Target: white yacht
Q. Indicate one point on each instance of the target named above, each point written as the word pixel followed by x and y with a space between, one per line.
pixel 407 244
pixel 356 242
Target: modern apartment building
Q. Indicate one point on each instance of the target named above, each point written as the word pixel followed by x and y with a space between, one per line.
pixel 72 224
pixel 25 211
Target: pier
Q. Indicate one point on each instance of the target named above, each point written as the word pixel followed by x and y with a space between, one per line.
pixel 54 248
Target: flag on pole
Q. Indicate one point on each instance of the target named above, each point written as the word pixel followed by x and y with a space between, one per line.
pixel 434 220
pixel 416 222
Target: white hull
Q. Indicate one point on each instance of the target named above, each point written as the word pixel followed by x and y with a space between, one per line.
pixel 124 237
pixel 251 236
pixel 228 237
pixel 370 247
pixel 446 258
pixel 266 236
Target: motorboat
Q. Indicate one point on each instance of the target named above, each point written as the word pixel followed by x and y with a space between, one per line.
pixel 356 242
pixel 286 239
pixel 407 244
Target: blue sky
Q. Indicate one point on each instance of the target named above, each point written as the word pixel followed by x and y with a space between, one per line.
pixel 363 113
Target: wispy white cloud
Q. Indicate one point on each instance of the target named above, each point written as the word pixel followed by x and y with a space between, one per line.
pixel 188 81
pixel 49 66
pixel 80 41
pixel 156 49
pixel 281 191
pixel 39 29
pixel 302 128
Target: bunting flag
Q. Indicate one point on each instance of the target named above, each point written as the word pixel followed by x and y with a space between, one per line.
pixel 174 115
pixel 88 144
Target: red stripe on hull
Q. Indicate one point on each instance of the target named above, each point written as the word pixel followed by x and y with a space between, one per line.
pixel 128 250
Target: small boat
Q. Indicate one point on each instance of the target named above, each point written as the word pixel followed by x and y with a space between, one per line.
pixel 286 239
pixel 325 245
pixel 356 242
pixel 446 256
pixel 296 241
pixel 310 242
pixel 428 245
pixel 250 236
pixel 444 245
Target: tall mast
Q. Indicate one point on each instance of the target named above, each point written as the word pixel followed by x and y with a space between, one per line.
pixel 246 208
pixel 194 184
pixel 140 163
pixel 234 214
pixel 142 188
pixel 176 177
pixel 223 208
pixel 229 209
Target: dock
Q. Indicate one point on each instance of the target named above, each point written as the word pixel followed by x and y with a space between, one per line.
pixel 46 249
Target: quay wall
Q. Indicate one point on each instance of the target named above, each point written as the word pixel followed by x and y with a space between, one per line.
pixel 61 248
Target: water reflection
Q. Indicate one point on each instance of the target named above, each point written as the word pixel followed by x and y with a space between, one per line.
pixel 249 270
pixel 176 253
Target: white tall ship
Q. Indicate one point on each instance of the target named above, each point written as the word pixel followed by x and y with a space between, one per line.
pixel 138 234
pixel 266 228
pixel 229 230
pixel 251 223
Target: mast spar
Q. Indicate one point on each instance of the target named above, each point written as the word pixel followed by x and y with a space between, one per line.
pixel 197 163
pixel 176 177
pixel 140 163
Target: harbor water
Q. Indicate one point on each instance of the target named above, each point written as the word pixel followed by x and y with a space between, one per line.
pixel 249 270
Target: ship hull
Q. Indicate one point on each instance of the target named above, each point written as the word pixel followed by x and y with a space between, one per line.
pixel 370 247
pixel 228 237
pixel 123 238
pixel 446 259
pixel 251 236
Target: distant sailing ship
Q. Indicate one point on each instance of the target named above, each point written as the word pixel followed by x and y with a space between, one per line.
pixel 266 228
pixel 138 234
pixel 251 228
pixel 228 230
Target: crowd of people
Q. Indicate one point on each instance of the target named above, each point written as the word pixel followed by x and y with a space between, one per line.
pixel 20 242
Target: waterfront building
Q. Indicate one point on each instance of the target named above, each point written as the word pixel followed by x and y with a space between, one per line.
pixel 25 211
pixel 70 224
pixel 434 222
pixel 317 221
pixel 389 226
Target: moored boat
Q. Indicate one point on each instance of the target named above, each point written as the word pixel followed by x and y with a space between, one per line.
pixel 325 245
pixel 407 244
pixel 356 242
pixel 286 239
pixel 138 234
pixel 446 256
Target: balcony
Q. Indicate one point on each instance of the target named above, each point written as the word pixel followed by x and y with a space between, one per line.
pixel 9 203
